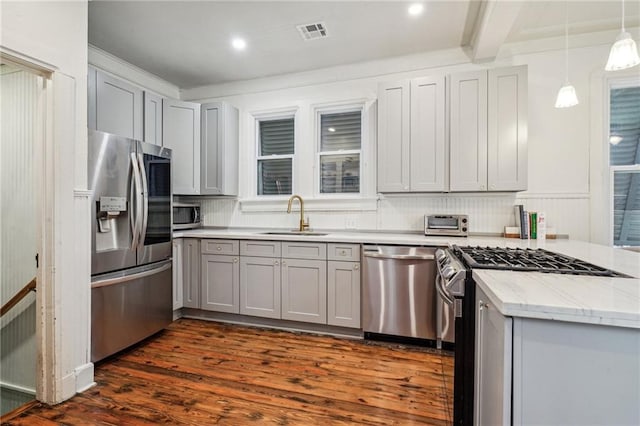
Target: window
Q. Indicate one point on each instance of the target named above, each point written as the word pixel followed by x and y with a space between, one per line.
pixel 624 161
pixel 275 155
pixel 339 151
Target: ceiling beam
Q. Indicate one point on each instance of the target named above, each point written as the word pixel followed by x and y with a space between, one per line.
pixel 494 23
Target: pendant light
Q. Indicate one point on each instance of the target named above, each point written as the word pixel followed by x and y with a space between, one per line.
pixel 624 52
pixel 567 94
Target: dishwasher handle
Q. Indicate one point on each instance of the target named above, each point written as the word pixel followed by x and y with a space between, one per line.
pixel 399 256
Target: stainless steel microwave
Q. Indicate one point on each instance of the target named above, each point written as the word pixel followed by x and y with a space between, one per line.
pixel 186 216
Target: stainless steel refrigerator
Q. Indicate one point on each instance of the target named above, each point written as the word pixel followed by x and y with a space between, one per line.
pixel 131 277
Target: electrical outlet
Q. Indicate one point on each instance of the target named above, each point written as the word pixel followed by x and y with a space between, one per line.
pixel 350 223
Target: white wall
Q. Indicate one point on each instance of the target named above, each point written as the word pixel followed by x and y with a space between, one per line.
pixel 558 142
pixel 55 33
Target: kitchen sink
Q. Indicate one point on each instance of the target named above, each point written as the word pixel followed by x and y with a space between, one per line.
pixel 292 233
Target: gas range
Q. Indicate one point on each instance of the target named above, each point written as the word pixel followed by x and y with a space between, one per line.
pixel 537 260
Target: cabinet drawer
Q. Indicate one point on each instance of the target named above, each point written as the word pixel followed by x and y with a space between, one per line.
pixel 346 252
pixel 260 248
pixel 295 250
pixel 220 247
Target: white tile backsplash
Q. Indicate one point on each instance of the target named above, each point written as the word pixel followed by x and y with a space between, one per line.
pixel 488 213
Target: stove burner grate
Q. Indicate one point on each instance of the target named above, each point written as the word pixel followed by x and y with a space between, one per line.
pixel 538 260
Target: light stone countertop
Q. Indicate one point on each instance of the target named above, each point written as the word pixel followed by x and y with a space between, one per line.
pixel 593 300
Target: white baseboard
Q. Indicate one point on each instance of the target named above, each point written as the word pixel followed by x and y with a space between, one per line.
pixel 18 388
pixel 84 377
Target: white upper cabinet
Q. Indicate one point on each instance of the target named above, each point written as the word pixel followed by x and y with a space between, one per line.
pixel 411 135
pixel 428 161
pixel 181 134
pixel 393 137
pixel 219 149
pixel 468 131
pixel 488 126
pixel 115 106
pixel 152 119
pixel 507 129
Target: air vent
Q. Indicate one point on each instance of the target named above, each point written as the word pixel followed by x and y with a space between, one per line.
pixel 313 31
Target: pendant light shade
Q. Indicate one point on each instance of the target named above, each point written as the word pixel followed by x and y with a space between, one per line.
pixel 566 97
pixel 624 52
pixel 567 94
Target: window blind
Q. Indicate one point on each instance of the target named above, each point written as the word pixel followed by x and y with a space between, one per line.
pixel 341 131
pixel 277 137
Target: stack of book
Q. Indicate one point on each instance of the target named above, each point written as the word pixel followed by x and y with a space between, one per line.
pixel 527 222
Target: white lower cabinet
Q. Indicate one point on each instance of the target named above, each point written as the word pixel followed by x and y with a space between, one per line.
pixel 220 283
pixel 493 364
pixel 297 281
pixel 260 286
pixel 343 294
pixel 190 273
pixel 544 372
pixel 304 290
pixel 178 264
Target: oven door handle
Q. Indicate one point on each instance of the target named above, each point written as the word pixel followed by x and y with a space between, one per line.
pixel 442 291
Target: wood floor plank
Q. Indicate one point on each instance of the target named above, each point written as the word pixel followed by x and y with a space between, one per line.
pixel 201 373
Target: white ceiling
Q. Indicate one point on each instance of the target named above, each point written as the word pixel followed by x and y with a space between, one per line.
pixel 188 43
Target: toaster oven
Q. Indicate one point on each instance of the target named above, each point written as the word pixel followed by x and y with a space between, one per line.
pixel 186 216
pixel 453 225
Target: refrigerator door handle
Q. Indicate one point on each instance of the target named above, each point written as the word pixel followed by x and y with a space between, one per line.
pixel 126 278
pixel 145 199
pixel 137 193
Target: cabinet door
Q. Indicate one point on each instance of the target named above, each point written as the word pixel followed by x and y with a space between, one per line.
pixel 304 290
pixel 507 129
pixel 219 149
pixel 191 272
pixel 393 137
pixel 220 283
pixel 494 343
pixel 260 286
pixel 427 153
pixel 178 264
pixel 181 134
pixel 91 98
pixel 152 119
pixel 343 294
pixel 118 107
pixel 468 132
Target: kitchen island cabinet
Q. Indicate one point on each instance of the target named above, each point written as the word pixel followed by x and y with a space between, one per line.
pixel 540 371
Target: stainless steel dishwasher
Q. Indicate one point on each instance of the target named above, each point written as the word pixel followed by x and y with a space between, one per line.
pixel 399 294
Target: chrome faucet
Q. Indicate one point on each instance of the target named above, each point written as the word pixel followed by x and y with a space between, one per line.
pixel 303 225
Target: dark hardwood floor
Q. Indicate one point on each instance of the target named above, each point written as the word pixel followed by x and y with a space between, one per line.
pixel 204 373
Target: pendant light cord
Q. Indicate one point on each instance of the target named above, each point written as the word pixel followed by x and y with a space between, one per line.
pixel 566 43
pixel 622 15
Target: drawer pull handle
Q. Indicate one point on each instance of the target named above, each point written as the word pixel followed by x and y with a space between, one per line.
pixel 356 267
pixel 219 248
pixel 235 260
pixel 343 252
pixel 276 263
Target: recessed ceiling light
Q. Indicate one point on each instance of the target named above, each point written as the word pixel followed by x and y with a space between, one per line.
pixel 331 129
pixel 238 43
pixel 416 9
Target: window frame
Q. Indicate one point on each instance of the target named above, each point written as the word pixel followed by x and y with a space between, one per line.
pixel 614 83
pixel 353 106
pixel 290 113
